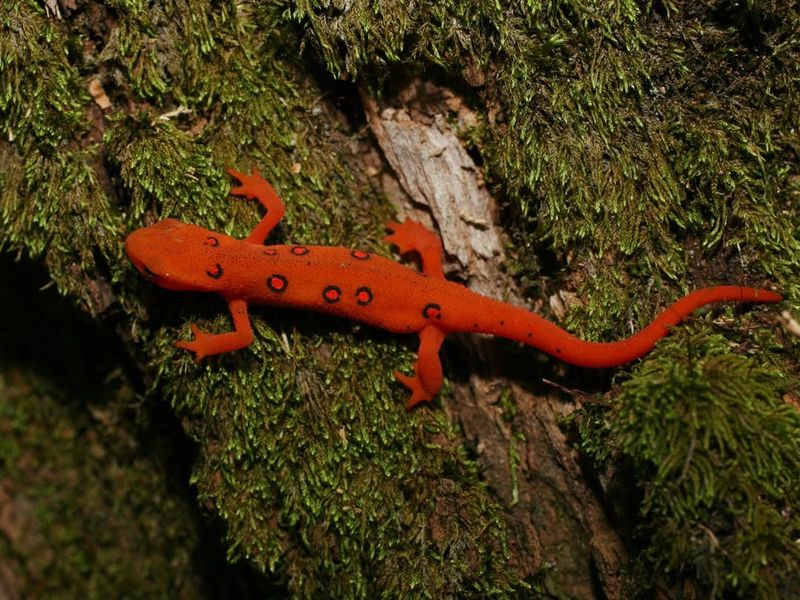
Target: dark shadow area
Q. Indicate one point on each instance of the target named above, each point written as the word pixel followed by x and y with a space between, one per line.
pixel 67 350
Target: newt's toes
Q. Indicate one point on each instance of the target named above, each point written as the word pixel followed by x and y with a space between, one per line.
pixel 418 393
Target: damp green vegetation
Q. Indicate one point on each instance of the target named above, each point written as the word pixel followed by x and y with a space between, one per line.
pixel 319 476
pixel 87 508
pixel 618 133
pixel 322 480
pixel 715 451
pixel 51 205
pixel 648 147
pixel 91 502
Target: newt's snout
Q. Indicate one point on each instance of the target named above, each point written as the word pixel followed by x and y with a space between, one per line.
pixel 135 248
pixel 173 254
pixel 145 245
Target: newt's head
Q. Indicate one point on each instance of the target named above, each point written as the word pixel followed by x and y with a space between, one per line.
pixel 178 256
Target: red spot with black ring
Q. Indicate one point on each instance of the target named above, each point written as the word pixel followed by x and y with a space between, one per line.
pixel 363 296
pixel 331 294
pixel 277 283
pixel 432 311
pixel 215 272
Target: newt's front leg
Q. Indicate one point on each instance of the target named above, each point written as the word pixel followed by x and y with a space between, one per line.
pixel 205 344
pixel 256 187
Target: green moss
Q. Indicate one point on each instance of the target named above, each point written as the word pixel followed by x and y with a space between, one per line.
pixel 41 95
pixel 160 162
pixel 50 202
pixel 144 44
pixel 615 131
pixel 368 35
pixel 88 512
pixel 716 452
pixel 321 477
pixel 613 148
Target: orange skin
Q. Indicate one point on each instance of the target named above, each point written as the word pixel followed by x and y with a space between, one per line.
pixel 370 289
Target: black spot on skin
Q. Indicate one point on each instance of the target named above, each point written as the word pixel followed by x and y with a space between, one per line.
pixel 331 294
pixel 359 254
pixel 363 296
pixel 299 250
pixel 277 283
pixel 502 322
pixel 211 241
pixel 432 311
pixel 530 335
pixel 215 272
pixel 558 350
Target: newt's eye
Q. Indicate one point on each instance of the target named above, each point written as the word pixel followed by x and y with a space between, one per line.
pixel 211 241
pixel 148 273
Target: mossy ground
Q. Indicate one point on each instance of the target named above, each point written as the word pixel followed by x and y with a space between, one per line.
pixel 647 149
pixel 89 499
pixel 717 453
pixel 81 502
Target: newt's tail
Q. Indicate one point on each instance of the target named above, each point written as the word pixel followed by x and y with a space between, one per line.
pixel 518 324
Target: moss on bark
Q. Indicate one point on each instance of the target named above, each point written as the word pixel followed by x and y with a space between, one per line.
pixel 645 149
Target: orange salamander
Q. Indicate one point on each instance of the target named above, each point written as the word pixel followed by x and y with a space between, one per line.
pixel 361 286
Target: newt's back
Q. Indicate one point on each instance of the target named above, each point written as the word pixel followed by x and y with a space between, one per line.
pixel 353 284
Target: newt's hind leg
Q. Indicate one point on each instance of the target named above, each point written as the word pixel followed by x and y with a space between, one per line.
pixel 427 378
pixel 410 236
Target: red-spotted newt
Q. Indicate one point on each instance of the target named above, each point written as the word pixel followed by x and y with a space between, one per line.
pixel 361 286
